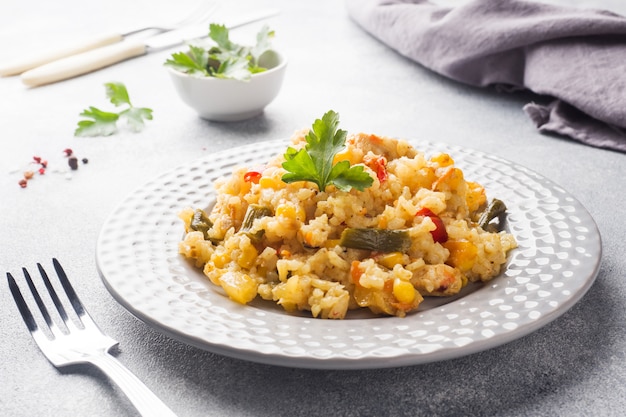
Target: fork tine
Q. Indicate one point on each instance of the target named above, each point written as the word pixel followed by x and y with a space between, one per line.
pixel 53 295
pixel 39 336
pixel 21 304
pixel 42 306
pixel 79 309
pixel 200 13
pixel 69 290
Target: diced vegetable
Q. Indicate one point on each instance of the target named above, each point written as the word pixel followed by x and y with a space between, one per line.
pixel 378 164
pixel 475 196
pixel 403 291
pixel 442 159
pixel 389 260
pixel 379 240
pixel 255 211
pixel 269 182
pixel 356 272
pixel 462 254
pixel 440 235
pixel 381 169
pixel 248 255
pixel 200 223
pixel 252 176
pixel 291 211
pixel 495 209
pixel 239 287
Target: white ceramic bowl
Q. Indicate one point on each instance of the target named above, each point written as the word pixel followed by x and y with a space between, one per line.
pixel 228 100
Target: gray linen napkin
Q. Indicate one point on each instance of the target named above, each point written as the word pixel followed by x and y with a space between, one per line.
pixel 577 57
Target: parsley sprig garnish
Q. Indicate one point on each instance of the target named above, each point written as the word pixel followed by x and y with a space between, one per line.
pixel 103 123
pixel 314 162
pixel 224 58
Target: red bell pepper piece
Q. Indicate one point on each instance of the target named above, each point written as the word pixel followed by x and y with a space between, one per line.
pixel 440 235
pixel 252 176
pixel 381 168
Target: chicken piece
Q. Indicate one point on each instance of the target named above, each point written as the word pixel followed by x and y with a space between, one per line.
pixel 385 146
pixel 438 280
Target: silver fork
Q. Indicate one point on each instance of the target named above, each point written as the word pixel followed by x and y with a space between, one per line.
pixel 203 10
pixel 199 14
pixel 86 343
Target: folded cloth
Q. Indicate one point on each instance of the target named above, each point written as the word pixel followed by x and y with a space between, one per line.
pixel 576 57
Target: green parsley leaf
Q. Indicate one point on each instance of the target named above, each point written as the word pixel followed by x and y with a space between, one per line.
pixel 100 123
pixel 194 62
pixel 314 162
pixel 103 123
pixel 233 67
pixel 219 33
pixel 135 117
pixel 117 93
pixel 263 44
pixel 225 59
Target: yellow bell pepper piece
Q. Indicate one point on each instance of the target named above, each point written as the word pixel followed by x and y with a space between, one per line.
pixel 462 254
pixel 239 287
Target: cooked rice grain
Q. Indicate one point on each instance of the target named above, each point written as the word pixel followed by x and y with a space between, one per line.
pixel 293 256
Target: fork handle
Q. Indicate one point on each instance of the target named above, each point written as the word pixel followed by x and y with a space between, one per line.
pixel 83 63
pixel 144 400
pixel 26 63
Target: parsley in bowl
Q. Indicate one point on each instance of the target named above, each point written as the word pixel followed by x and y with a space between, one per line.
pixel 224 81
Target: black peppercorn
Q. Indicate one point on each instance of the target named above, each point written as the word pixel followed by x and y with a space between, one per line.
pixel 73 162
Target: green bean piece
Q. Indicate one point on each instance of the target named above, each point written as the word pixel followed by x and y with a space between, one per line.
pixel 379 240
pixel 200 223
pixel 254 211
pixel 495 209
